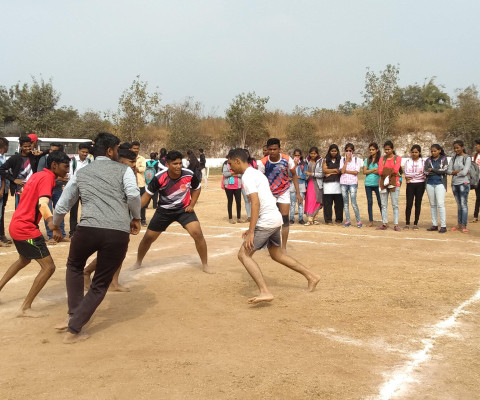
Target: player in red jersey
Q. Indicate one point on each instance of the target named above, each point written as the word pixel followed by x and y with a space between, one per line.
pixel 24 230
pixel 174 204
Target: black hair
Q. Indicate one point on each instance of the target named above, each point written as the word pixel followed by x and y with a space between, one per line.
pixel 3 142
pixel 57 156
pixel 264 146
pixel 194 164
pixel 24 139
pixel 173 155
pixel 125 146
pixel 85 145
pixel 135 143
pixel 438 147
pixel 163 152
pixel 239 153
pixel 377 156
pixel 250 158
pixel 315 149
pixel 153 156
pixel 388 143
pixel 417 146
pixel 477 141
pixel 349 146
pixel 328 158
pixel 298 151
pixel 460 143
pixel 103 142
pixel 273 141
pixel 128 154
pixel 200 150
pixel 57 144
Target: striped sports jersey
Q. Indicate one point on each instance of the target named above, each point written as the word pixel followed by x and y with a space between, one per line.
pixel 173 194
pixel 277 173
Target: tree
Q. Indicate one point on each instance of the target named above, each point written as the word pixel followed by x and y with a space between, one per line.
pixel 301 134
pixel 347 108
pixel 136 108
pixel 464 120
pixel 246 117
pixel 184 126
pixel 381 109
pixel 428 97
pixel 33 106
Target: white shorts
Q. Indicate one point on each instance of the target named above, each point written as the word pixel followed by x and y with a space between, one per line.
pixel 284 198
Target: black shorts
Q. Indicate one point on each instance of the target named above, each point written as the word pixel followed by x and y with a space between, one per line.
pixel 32 249
pixel 163 218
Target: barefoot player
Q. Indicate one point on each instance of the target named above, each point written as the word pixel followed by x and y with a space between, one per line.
pixel 276 167
pixel 174 204
pixel 265 225
pixel 28 240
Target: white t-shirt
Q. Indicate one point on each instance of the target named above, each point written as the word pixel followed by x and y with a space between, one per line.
pixel 255 182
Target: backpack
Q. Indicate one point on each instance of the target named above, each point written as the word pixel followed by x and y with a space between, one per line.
pixel 473 172
pixel 150 171
pixel 74 164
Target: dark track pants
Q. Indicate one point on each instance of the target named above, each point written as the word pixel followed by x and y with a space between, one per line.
pixel 111 246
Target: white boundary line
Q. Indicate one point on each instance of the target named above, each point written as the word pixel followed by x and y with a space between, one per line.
pixel 399 378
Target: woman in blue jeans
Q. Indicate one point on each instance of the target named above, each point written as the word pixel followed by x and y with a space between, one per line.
pixel 370 169
pixel 349 168
pixel 459 167
pixel 300 169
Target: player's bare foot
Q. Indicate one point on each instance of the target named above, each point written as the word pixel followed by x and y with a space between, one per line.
pixel 118 288
pixel 62 327
pixel 207 269
pixel 71 338
pixel 136 266
pixel 312 283
pixel 261 298
pixel 87 281
pixel 28 313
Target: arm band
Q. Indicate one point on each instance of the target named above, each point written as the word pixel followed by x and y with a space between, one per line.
pixel 44 210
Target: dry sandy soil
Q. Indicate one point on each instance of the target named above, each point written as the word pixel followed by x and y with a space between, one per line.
pixel 396 315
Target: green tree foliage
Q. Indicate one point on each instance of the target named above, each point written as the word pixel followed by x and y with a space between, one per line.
pixel 246 117
pixel 33 106
pixel 301 134
pixel 464 119
pixel 428 97
pixel 136 108
pixel 184 127
pixel 348 108
pixel 381 108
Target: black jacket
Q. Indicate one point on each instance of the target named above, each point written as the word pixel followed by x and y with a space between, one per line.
pixel 11 168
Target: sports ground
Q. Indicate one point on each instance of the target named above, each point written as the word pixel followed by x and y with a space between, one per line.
pixel 395 316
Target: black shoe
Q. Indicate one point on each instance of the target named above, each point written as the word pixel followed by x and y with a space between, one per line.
pixel 5 240
pixel 301 222
pixel 144 223
pixel 443 229
pixel 292 222
pixel 433 228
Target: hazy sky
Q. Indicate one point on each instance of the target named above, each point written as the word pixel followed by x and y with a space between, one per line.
pixel 310 53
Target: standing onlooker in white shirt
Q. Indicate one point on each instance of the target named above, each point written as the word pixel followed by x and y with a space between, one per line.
pixel 349 168
pixel 79 161
pixel 140 167
pixel 415 177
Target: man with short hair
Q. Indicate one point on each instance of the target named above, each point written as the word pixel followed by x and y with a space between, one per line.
pixel 20 167
pixel 276 167
pixel 140 166
pixel 109 194
pixel 264 230
pixel 24 230
pixel 76 164
pixel 57 191
pixel 4 185
pixel 174 204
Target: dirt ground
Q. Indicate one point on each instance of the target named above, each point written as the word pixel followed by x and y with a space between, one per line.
pixel 396 315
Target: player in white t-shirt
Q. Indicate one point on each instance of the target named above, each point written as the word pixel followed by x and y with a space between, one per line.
pixel 265 226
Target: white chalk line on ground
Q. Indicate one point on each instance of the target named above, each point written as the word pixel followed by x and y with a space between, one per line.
pixel 400 377
pixel 374 344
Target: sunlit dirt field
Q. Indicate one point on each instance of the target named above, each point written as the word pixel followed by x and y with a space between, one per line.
pixel 395 316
